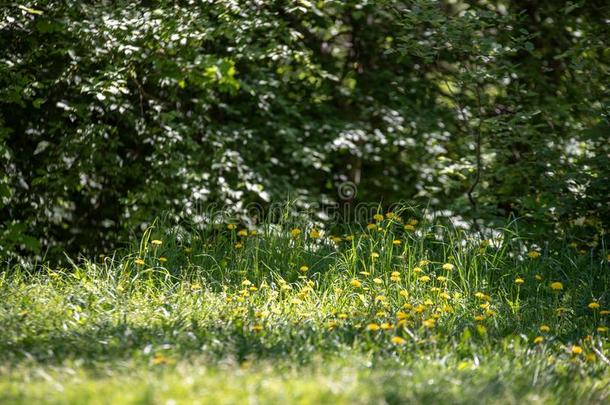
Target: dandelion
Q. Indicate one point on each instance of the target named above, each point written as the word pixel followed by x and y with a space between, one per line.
pixel 139 262
pixel 162 259
pixel 519 281
pixel 342 316
pixel 556 286
pixel 593 305
pixel 397 340
pixel 314 234
pixel 386 326
pixel 374 255
pixel 479 318
pixel 378 217
pixel 448 267
pixel 409 227
pixel 417 270
pixel 295 232
pixel 231 226
pixel 404 293
pixel 424 279
pixel 239 245
pixel 257 328
pixel 156 242
pixel 442 279
pixel 602 329
pixel 304 269
pixel 604 312
pixel 246 283
pixel 429 323
pixel 534 254
pixel 544 328
pixel 372 327
pixel 377 281
pixel 591 357
pixel 576 350
pixel 356 283
pixel 371 227
pixel 380 298
pixel 253 232
pixel 424 262
pixel 336 239
pixel 538 340
pixel 395 276
pixel 396 242
pixel 243 232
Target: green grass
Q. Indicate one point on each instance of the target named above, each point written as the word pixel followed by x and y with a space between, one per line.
pixel 213 316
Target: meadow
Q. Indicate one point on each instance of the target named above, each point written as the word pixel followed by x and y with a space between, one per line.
pixel 398 310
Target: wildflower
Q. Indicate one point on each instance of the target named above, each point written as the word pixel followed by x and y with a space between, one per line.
pixel 424 262
pixel 397 340
pixel 401 315
pixel 377 281
pixel 429 323
pixel 590 357
pixel 441 278
pixel 342 316
pixel 593 305
pixel 602 329
pixel 378 217
pixel 417 270
pixel 544 328
pixel 424 279
pixel 413 221
pixel 139 262
pixel 374 255
pixel 445 295
pixel 481 330
pixel 428 302
pixel 479 318
pixel 395 276
pixel 336 239
pixel 386 326
pixel 576 350
pixel 381 314
pixel 156 242
pixel 162 259
pixel 538 340
pixel 519 281
pixel 331 324
pixel 371 227
pixel 246 283
pixel 396 242
pixel 365 273
pixel 295 232
pixel 372 327
pixel 314 233
pixel 534 254
pixel 243 232
pixel 304 269
pixel 556 286
pixel 231 226
pixel 253 232
pixel 257 328
pixel 604 312
pixel 448 267
pixel 356 283
pixel 380 298
pixel 160 359
pixel 409 227
pixel 239 245
pixel 404 293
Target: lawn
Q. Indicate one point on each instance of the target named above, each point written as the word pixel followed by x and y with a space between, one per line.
pixel 399 310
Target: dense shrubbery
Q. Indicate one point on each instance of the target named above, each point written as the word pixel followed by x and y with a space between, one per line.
pixel 114 112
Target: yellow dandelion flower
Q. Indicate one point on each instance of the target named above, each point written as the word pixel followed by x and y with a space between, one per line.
pixel 231 226
pixel 479 318
pixel 396 242
pixel 604 312
pixel 576 350
pixel 413 221
pixel 239 245
pixel 378 217
pixel 295 232
pixel 371 227
pixel 593 305
pixel 342 315
pixel 404 293
pixel 602 329
pixel 162 259
pixel 303 269
pixel 424 262
pixel 429 323
pixel 380 298
pixel 314 234
pixel 442 279
pixel 372 327
pixel 448 267
pixel 156 242
pixel 336 239
pixel 374 255
pixel 243 232
pixel 139 262
pixel 409 227
pixel 397 340
pixel 519 281
pixel 538 340
pixel 377 281
pixel 257 328
pixel 556 286
pixel 545 328
pixel 591 357
pixel 401 315
pixel 386 326
pixel 534 254
pixel 424 279
pixel 253 232
pixel 356 283
pixel 417 270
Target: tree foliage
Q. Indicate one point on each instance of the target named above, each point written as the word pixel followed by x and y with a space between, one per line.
pixel 112 112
